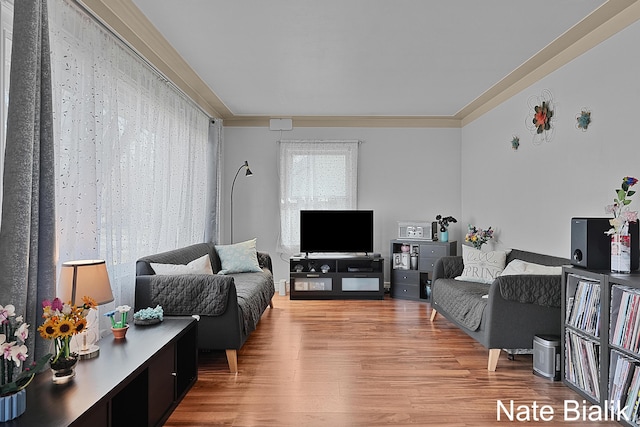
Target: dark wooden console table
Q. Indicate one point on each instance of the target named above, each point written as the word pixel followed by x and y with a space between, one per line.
pixel 137 381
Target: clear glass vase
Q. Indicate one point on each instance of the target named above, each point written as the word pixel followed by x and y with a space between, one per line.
pixel 621 252
pixel 63 369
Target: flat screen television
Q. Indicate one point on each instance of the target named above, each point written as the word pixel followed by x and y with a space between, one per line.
pixel 336 231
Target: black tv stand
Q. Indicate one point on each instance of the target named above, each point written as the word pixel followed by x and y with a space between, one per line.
pixel 317 255
pixel 336 276
pixel 360 269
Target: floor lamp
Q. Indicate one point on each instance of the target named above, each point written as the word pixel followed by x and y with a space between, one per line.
pixel 85 278
pixel 248 173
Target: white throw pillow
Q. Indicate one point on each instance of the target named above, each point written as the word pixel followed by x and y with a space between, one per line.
pixel 481 266
pixel 239 257
pixel 517 266
pixel 201 265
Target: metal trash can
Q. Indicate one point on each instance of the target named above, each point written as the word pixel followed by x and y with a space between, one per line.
pixel 546 356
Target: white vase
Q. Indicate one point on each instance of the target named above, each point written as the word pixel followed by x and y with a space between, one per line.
pixel 621 253
pixel 13 405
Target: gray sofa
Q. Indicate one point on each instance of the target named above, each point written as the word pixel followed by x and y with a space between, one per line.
pixel 516 309
pixel 229 306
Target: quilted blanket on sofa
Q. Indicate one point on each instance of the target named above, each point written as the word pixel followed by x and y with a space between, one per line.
pixel 187 294
pixel 254 294
pixel 181 295
pixel 530 289
pixel 462 300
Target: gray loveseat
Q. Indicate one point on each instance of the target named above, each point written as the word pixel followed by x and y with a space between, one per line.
pixel 505 314
pixel 229 306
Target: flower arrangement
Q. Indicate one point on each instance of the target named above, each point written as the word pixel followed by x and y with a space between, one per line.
pixel 622 216
pixel 443 221
pixel 476 237
pixel 122 323
pixel 62 321
pixel 13 377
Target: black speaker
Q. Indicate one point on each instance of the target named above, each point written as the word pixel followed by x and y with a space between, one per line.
pixel 591 247
pixel 434 231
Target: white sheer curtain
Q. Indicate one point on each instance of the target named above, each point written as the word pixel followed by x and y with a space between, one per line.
pixel 131 155
pixel 314 174
pixel 212 229
pixel 6 34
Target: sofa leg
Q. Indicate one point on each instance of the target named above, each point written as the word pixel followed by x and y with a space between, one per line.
pixel 271 303
pixel 232 359
pixel 433 314
pixel 494 355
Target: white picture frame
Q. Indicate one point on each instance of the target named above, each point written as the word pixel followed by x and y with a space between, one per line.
pixel 401 261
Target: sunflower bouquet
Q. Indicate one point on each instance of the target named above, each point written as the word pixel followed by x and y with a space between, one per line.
pixel 62 321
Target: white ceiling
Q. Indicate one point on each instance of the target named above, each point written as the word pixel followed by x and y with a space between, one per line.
pixel 358 57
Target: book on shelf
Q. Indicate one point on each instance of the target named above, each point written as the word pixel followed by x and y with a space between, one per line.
pixel 619 312
pixel 625 318
pixel 631 402
pixel 570 301
pixel 621 372
pixel 585 309
pixel 634 317
pixel 583 363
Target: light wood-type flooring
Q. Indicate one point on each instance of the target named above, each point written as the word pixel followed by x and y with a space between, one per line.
pixel 366 363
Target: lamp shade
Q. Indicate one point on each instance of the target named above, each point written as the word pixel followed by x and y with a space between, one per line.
pixel 84 278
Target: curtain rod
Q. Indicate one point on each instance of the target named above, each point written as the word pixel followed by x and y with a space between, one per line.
pixel 152 67
pixel 320 140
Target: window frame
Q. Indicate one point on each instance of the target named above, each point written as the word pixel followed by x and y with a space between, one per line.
pixel 290 204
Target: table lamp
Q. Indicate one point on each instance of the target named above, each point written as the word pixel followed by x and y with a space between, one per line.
pixel 85 278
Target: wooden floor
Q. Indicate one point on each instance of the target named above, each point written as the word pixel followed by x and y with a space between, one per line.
pixel 365 363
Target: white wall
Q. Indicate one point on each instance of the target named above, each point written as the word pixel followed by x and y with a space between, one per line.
pixel 403 174
pixel 530 195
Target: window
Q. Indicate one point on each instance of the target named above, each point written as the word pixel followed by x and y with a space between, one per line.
pixel 314 175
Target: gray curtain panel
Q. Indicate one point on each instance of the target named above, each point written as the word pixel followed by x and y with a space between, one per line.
pixel 213 181
pixel 27 232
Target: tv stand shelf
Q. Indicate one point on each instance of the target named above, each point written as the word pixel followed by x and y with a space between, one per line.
pixel 336 277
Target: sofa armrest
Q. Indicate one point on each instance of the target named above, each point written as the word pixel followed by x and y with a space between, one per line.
pixel 447 267
pixel 512 324
pixel 264 260
pixel 186 294
pixel 544 290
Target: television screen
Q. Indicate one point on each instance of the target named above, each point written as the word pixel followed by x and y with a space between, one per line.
pixel 336 231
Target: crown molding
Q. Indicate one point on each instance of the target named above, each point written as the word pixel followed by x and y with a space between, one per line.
pixel 126 20
pixel 349 121
pixel 609 19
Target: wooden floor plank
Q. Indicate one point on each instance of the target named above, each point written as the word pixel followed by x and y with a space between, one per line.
pixel 363 363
